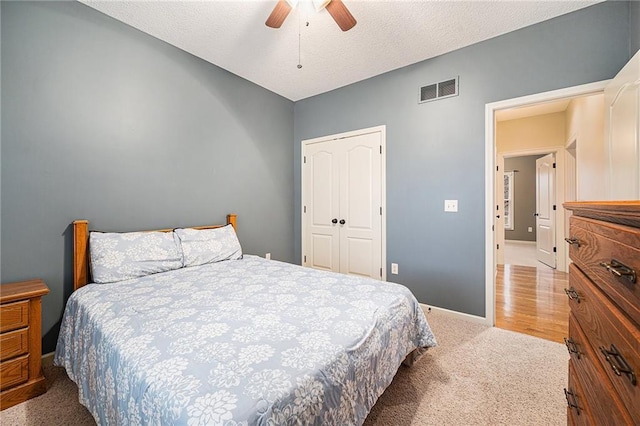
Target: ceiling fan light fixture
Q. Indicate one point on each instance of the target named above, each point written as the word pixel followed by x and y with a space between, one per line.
pixel 318 5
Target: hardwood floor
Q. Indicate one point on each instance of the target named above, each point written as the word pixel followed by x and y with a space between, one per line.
pixel 532 301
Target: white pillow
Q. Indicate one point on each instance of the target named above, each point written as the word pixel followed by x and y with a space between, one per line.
pixel 121 256
pixel 200 246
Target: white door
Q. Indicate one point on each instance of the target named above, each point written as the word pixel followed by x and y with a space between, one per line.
pixel 360 206
pixel 622 131
pixel 545 210
pixel 342 205
pixel 322 206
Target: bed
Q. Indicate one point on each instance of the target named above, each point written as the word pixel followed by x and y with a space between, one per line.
pixel 234 341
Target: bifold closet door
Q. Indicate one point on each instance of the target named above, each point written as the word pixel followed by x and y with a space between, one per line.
pixel 342 201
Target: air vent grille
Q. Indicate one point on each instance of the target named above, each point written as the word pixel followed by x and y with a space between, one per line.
pixel 443 89
pixel 428 93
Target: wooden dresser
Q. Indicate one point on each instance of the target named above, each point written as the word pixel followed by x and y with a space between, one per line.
pixel 21 375
pixel 604 323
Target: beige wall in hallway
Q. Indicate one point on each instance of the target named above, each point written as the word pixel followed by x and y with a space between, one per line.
pixel 540 131
pixel 585 124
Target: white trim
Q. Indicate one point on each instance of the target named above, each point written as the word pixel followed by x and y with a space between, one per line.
pixel 490 165
pixel 47 359
pixel 383 184
pixel 455 314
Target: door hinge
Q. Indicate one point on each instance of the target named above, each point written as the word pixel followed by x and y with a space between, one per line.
pixel 380 149
pixel 305 259
pixel 305 209
pixel 380 272
pixel 493 227
pixel 305 159
pixel 497 246
pixel 380 211
pixel 554 165
pixel 555 249
pixel 497 168
pixel 554 206
pixel 498 207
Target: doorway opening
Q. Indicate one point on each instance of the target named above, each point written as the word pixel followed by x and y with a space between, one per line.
pixel 525 199
pixel 524 119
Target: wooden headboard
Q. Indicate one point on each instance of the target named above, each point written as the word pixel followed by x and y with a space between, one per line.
pixel 81 247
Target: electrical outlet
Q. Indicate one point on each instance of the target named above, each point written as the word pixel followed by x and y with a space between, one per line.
pixel 530 229
pixel 450 205
pixel 394 268
pixel 267 256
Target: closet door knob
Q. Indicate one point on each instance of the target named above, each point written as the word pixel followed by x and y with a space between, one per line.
pixel 334 221
pixel 342 222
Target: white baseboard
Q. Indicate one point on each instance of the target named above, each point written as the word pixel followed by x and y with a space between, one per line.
pixel 47 359
pixel 460 315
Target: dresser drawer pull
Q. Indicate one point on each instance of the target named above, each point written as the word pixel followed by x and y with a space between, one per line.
pixel 618 363
pixel 620 270
pixel 572 400
pixel 573 241
pixel 572 347
pixel 572 294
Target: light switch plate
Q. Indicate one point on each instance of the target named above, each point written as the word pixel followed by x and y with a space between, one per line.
pixel 394 268
pixel 450 205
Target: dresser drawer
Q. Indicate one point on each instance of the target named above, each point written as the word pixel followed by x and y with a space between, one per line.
pixel 14 315
pixel 600 396
pixel 14 343
pixel 599 243
pixel 14 372
pixel 606 328
pixel 578 410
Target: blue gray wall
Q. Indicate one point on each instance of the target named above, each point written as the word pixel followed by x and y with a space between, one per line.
pixel 435 151
pixel 103 122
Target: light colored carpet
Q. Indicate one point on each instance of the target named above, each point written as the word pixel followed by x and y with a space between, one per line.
pixel 476 376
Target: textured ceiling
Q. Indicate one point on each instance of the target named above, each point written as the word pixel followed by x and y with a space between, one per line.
pixel 389 35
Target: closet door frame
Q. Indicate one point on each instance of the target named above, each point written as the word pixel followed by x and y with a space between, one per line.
pixel 383 179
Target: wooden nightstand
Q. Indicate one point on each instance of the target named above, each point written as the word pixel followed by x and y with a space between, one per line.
pixel 21 375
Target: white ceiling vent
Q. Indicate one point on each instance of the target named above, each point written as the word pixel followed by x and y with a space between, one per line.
pixel 444 89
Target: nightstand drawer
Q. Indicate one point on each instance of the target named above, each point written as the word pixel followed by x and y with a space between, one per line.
pixel 14 372
pixel 14 343
pixel 14 315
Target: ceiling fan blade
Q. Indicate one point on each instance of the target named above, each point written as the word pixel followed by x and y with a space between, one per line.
pixel 341 15
pixel 280 12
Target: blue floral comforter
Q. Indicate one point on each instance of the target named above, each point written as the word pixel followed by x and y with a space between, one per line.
pixel 249 341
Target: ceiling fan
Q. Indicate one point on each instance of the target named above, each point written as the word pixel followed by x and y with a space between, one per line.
pixel 336 9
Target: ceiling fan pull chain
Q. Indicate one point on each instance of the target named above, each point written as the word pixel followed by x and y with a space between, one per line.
pixel 299 39
pixel 299 42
